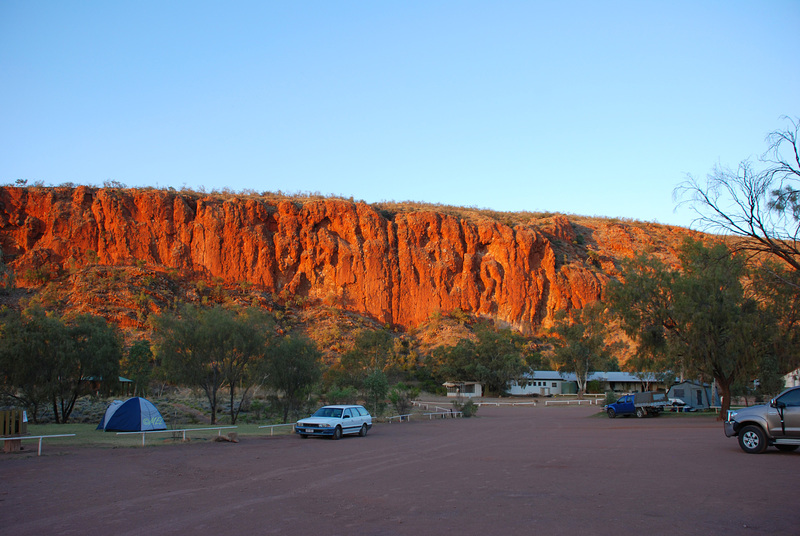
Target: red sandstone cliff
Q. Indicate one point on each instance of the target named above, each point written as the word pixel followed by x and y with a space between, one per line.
pixel 398 270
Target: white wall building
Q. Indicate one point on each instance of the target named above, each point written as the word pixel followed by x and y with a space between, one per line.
pixel 544 383
pixel 463 389
pixel 551 382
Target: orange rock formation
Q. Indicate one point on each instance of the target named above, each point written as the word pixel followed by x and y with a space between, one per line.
pixel 398 270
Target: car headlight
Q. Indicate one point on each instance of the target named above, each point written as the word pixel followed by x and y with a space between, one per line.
pixel 324 425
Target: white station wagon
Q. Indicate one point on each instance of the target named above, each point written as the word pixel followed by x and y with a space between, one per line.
pixel 335 421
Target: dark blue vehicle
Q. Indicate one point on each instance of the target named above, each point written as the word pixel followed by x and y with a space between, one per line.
pixel 639 404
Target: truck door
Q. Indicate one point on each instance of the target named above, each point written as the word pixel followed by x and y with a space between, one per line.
pixel 789 404
pixel 626 404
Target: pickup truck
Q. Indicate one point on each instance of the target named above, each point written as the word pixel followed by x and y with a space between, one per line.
pixel 639 404
pixel 776 423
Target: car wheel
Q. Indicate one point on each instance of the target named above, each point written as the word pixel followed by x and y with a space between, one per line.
pixel 786 448
pixel 640 412
pixel 752 440
pixel 363 431
pixel 337 433
pixel 611 413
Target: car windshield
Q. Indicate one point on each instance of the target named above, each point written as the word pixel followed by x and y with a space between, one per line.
pixel 328 412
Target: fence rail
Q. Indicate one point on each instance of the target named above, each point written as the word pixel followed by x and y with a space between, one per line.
pixel 575 401
pixel 498 404
pixel 445 414
pixel 273 426
pixel 427 405
pixel 40 437
pixel 144 433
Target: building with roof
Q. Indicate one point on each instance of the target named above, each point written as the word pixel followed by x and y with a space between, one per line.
pixel 463 389
pixel 551 382
pixel 544 383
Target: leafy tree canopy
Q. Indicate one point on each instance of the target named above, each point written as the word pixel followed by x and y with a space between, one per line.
pixel 579 343
pixel 703 320
pixel 292 369
pixel 213 347
pixel 494 358
pixel 47 360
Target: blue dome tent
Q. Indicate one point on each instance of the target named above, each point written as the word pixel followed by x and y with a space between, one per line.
pixel 134 415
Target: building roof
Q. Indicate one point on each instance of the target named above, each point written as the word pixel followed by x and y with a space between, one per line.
pixel 692 382
pixel 630 377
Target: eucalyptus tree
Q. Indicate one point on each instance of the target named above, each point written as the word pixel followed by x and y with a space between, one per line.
pixel 580 343
pixel 46 360
pixel 29 344
pixel 703 319
pixel 211 348
pixel 138 366
pixel 93 354
pixel 758 201
pixel 494 357
pixel 292 369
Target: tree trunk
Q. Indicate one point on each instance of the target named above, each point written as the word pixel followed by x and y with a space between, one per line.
pixel 233 412
pixel 56 414
pixel 581 380
pixel 725 397
pixel 66 409
pixel 235 415
pixel 211 395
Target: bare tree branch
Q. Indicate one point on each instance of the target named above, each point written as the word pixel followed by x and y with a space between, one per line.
pixel 762 206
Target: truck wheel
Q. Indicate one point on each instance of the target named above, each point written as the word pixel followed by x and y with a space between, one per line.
pixel 640 412
pixel 752 439
pixel 611 413
pixel 786 448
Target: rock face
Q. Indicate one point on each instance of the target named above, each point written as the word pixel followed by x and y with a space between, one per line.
pixel 398 270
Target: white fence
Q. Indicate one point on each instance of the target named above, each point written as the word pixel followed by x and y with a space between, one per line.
pixel 443 414
pixel 218 428
pixel 273 426
pixel 39 437
pixel 427 405
pixel 549 402
pixel 574 401
pixel 498 404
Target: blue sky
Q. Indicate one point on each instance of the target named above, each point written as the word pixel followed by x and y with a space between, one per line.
pixel 590 108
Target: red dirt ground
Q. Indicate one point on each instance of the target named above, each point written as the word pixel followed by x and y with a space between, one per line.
pixel 511 470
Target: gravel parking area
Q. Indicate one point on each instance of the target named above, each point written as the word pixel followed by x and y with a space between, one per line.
pixel 510 470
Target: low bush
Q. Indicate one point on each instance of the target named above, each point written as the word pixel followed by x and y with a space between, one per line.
pixel 467 409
